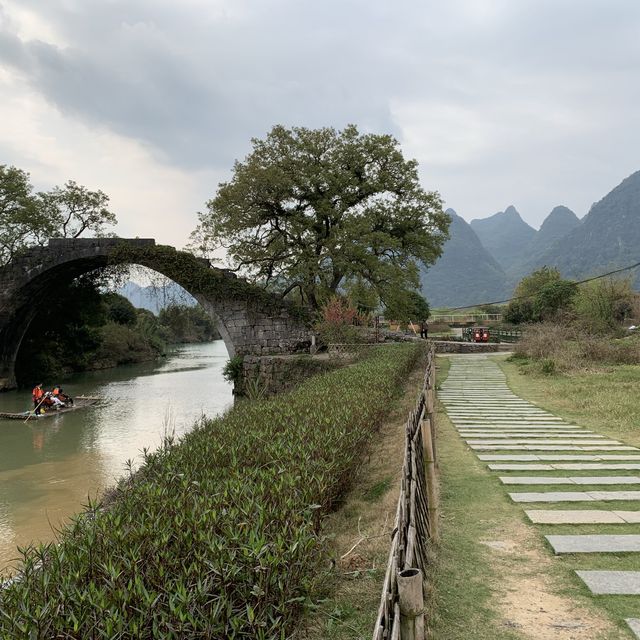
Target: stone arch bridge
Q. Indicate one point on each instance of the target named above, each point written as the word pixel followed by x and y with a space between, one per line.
pixel 250 320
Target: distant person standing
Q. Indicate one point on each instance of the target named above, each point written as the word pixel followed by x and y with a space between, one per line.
pixel 424 329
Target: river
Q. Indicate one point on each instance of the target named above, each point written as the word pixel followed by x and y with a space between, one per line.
pixel 49 467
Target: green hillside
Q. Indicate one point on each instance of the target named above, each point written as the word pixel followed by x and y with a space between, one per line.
pixel 559 223
pixel 608 237
pixel 465 273
pixel 505 235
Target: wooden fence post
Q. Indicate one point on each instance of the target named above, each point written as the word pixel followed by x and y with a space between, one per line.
pixel 411 601
pixel 430 472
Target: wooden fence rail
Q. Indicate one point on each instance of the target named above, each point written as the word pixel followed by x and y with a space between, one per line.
pixel 416 516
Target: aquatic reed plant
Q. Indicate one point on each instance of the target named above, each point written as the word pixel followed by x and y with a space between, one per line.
pixel 219 535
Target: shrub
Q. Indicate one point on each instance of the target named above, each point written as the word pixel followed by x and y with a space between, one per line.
pixel 548 366
pixel 546 295
pixel 602 305
pixel 217 536
pixel 232 371
pixel 337 324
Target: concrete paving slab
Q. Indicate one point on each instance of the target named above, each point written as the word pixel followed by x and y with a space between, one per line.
pixel 547 447
pixel 575 496
pixel 536 437
pixel 612 582
pixel 552 496
pixel 573 516
pixel 606 479
pixel 513 436
pixel 534 480
pixel 634 625
pixel 523 447
pixel 536 441
pixel 592 480
pixel 524 427
pixel 504 426
pixel 615 495
pixel 607 448
pixel 609 543
pixel 564 439
pixel 603 456
pixel 631 517
pixel 518 457
pixel 595 466
pixel 527 457
pixel 520 467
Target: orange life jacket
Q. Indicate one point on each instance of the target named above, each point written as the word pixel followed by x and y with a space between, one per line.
pixel 37 393
pixel 56 391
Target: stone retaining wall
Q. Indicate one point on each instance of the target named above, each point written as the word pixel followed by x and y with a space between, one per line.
pixel 279 373
pixel 445 346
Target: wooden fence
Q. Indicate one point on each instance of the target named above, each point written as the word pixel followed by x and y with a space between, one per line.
pixel 416 519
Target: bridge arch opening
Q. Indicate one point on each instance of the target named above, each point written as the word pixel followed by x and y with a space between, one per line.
pixel 249 320
pixel 101 320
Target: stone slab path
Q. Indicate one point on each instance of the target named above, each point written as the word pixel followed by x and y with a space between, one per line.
pixel 510 434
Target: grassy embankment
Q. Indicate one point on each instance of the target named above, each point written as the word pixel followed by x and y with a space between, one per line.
pixel 218 536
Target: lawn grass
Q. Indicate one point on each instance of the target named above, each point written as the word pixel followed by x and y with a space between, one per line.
pixel 605 401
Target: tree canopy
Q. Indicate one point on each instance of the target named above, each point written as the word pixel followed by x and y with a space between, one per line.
pixel 311 211
pixel 28 218
pixel 541 295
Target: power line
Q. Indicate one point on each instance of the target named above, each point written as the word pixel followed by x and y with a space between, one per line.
pixel 604 275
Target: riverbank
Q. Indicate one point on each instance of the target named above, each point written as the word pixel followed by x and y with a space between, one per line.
pixel 49 467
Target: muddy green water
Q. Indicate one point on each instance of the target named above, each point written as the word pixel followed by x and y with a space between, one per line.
pixel 49 467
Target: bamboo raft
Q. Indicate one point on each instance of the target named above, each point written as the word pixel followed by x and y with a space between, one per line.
pixel 79 402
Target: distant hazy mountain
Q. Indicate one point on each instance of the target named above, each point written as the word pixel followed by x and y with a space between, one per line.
pixel 608 236
pixel 465 273
pixel 155 298
pixel 505 235
pixel 556 226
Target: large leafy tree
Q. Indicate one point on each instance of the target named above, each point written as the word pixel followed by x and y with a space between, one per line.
pixel 311 211
pixel 29 219
pixel 541 295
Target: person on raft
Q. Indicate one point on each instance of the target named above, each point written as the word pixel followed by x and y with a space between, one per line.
pixel 52 402
pixel 57 392
pixel 37 394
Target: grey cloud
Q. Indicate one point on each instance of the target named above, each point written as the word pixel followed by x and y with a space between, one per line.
pixel 550 85
pixel 196 92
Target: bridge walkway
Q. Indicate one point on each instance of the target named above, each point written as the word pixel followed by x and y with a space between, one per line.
pixel 566 478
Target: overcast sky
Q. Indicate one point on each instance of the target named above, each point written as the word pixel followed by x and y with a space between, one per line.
pixel 527 102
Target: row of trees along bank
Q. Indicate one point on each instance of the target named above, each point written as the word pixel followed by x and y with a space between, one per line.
pixel 219 535
pixel 80 328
